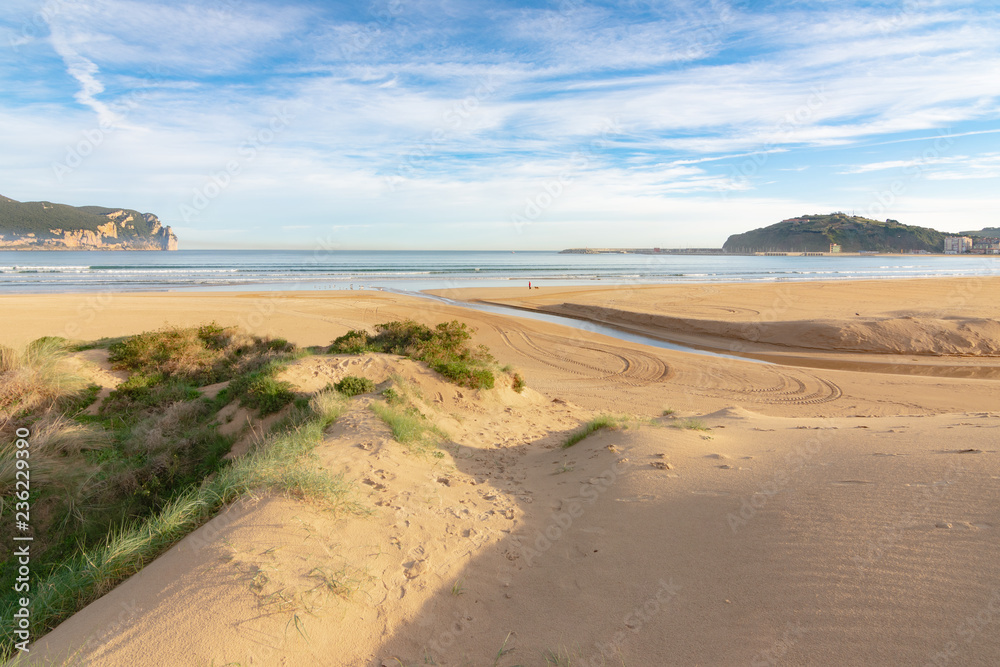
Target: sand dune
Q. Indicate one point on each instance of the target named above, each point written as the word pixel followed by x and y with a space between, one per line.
pixel 805 516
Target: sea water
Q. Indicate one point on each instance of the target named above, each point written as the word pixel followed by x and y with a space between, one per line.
pixel 190 270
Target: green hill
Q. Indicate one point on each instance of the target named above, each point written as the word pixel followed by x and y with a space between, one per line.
pixel 986 232
pixel 815 233
pixel 44 225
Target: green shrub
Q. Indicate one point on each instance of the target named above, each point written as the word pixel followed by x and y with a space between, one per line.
pixel 352 342
pixel 352 385
pixel 517 383
pixel 461 373
pixel 260 391
pixel 140 393
pixel 444 348
pixel 202 355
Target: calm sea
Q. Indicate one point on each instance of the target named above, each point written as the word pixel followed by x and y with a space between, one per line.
pixel 38 272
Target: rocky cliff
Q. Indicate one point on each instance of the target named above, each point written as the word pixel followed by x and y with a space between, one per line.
pixel 48 226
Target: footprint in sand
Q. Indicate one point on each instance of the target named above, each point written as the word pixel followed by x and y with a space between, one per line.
pixel 414 568
pixel 957 525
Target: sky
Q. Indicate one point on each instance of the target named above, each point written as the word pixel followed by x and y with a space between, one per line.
pixel 450 124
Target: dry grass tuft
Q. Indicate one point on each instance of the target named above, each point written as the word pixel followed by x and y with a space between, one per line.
pixel 34 379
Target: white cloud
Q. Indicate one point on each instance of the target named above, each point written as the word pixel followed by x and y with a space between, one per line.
pixel 474 113
pixel 961 167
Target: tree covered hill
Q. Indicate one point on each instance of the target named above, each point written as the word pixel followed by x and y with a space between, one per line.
pixel 986 232
pixel 44 225
pixel 815 233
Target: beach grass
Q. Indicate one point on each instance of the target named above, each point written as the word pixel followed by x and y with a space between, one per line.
pixel 35 379
pixel 594 425
pixel 692 424
pixel 283 462
pixel 118 488
pixel 408 424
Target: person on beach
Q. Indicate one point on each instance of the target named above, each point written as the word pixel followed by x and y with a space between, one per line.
pixel 529 284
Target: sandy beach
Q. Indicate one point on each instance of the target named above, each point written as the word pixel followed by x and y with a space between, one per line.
pixel 838 505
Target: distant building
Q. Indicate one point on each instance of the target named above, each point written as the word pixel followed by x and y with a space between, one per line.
pixel 985 246
pixel 957 245
pixel 834 247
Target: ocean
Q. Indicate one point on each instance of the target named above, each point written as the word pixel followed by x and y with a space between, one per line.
pixel 285 270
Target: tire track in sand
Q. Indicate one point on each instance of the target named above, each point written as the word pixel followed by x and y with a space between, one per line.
pixel 772 385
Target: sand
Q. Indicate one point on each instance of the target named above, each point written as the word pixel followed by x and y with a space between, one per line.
pixel 813 516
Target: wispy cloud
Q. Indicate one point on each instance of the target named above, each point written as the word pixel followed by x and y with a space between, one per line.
pixel 473 107
pixel 85 72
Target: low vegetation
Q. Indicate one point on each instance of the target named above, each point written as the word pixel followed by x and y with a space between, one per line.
pixel 115 484
pixel 692 424
pixel 445 348
pixel 259 390
pixel 400 412
pixel 351 385
pixel 594 425
pixel 112 490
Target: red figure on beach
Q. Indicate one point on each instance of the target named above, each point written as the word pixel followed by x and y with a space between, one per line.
pixel 529 284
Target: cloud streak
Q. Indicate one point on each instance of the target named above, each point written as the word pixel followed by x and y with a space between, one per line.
pixel 390 91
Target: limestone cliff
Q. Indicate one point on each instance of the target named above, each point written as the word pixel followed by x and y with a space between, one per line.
pixel 48 226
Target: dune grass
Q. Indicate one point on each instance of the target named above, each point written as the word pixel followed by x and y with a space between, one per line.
pixel 35 379
pixel 112 491
pixel 282 462
pixel 594 425
pixel 692 424
pixel 408 424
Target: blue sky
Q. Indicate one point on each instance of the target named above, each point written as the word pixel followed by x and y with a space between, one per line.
pixel 533 125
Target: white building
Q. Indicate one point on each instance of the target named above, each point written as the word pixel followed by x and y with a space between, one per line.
pixel 957 245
